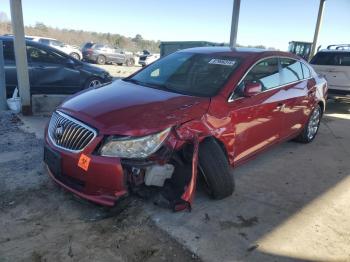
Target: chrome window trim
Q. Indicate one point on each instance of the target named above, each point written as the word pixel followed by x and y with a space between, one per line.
pixel 231 99
pixel 77 122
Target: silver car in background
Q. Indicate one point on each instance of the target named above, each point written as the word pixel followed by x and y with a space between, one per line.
pixel 71 50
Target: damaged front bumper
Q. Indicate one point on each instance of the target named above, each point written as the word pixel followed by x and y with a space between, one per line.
pixel 107 179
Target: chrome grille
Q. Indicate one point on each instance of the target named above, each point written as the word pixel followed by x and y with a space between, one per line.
pixel 68 133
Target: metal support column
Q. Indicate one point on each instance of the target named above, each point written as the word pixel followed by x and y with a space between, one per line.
pixel 317 29
pixel 234 23
pixel 21 55
pixel 3 105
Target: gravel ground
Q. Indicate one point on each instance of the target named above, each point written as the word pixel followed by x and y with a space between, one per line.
pixel 41 222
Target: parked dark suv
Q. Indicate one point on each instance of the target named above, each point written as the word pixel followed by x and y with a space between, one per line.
pixel 102 54
pixel 51 71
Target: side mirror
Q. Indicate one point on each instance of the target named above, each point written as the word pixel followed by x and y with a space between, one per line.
pixel 70 63
pixel 252 89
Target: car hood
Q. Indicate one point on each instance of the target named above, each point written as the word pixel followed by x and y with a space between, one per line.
pixel 92 68
pixel 124 108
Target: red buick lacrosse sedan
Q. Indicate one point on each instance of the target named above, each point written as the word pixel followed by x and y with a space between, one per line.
pixel 192 114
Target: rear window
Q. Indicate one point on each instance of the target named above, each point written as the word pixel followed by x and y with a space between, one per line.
pixel 291 70
pixel 306 71
pixel 331 58
pixel 44 41
pixel 98 46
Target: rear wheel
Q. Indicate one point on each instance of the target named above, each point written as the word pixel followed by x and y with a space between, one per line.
pixel 214 167
pixel 101 60
pixel 311 128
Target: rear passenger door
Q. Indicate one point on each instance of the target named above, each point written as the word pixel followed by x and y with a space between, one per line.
pixel 118 56
pixel 297 91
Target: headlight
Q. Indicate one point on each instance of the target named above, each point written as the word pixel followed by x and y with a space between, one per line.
pixel 141 147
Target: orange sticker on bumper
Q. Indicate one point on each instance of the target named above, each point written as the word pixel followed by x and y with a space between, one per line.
pixel 84 162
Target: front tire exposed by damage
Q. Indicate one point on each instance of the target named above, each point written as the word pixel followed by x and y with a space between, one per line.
pixel 215 169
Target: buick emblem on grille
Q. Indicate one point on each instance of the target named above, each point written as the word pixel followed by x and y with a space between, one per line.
pixel 59 131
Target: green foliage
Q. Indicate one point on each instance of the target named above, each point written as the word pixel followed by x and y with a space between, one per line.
pixel 79 37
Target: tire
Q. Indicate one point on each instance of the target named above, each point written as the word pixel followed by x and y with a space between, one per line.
pixel 311 127
pixel 130 62
pixel 101 60
pixel 75 55
pixel 215 169
pixel 119 64
pixel 93 83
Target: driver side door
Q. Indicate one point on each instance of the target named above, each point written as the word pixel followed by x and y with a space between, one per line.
pixel 52 74
pixel 258 119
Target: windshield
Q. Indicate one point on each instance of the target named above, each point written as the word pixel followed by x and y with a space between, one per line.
pixel 188 73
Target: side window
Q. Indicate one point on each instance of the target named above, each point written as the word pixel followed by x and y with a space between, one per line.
pixel 56 43
pixel 306 71
pixel 41 56
pixel 266 73
pixel 344 59
pixel 324 58
pixel 9 53
pixel 291 70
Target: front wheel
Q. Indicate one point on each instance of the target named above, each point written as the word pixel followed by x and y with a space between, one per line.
pixel 215 169
pixel 130 62
pixel 311 128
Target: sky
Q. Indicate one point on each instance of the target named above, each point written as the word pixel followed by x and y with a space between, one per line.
pixel 273 23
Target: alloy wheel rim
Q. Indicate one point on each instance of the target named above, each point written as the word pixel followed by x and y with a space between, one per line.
pixel 313 123
pixel 95 83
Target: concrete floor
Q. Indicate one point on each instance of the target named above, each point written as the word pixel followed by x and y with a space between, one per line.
pixel 291 203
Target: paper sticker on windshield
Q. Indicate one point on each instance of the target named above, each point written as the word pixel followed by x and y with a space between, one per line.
pixel 215 61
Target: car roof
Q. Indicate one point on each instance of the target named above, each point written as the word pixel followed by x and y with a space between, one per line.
pixel 239 51
pixel 41 37
pixel 334 51
pixel 36 44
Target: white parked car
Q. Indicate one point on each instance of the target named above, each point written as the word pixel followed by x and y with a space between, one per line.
pixel 71 50
pixel 146 59
pixel 334 64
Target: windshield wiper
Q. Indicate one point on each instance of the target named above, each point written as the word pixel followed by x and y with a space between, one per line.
pixel 153 85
